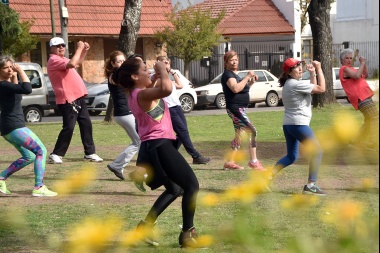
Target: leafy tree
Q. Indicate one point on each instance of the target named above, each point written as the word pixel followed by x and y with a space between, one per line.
pixel 9 24
pixel 17 45
pixel 193 34
pixel 129 31
pixel 317 13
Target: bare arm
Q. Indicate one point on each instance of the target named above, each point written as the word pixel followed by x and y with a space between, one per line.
pixel 236 87
pixel 79 55
pixel 147 98
pixel 177 81
pixel 317 69
pixel 357 74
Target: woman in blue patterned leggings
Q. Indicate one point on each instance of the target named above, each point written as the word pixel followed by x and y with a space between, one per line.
pixel 13 130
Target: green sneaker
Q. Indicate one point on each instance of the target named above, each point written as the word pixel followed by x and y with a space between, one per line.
pixel 3 188
pixel 43 191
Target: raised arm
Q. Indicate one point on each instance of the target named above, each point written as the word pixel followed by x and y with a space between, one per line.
pixel 79 55
pixel 236 87
pixel 316 72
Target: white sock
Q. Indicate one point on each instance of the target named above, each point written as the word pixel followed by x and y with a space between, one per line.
pixel 310 184
pixel 253 160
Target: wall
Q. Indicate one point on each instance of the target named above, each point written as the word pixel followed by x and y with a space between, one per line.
pixel 290 9
pixel 356 20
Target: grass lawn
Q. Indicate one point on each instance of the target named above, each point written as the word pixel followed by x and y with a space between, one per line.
pixel 97 217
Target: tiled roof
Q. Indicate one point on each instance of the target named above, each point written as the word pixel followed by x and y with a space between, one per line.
pixel 247 17
pixel 91 17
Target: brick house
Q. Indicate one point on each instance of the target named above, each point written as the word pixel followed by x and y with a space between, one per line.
pixel 95 22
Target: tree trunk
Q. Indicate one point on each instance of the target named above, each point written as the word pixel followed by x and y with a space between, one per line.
pixel 129 31
pixel 319 18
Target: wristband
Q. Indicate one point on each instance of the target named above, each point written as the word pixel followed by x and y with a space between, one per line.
pixel 314 75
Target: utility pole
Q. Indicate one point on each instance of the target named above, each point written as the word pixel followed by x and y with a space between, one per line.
pixel 52 19
pixel 64 18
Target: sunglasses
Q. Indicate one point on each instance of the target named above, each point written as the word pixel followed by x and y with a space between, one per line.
pixel 60 45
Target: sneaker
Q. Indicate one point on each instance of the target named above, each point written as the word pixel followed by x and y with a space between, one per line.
pixel 147 229
pixel 138 179
pixel 117 173
pixel 256 166
pixel 53 158
pixel 93 158
pixel 188 239
pixel 3 188
pixel 201 160
pixel 313 190
pixel 232 166
pixel 43 191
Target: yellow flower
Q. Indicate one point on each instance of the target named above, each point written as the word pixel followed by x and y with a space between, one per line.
pixel 368 183
pixel 92 235
pixel 299 201
pixel 204 241
pixel 345 126
pixel 344 212
pixel 327 139
pixel 76 181
pixel 210 200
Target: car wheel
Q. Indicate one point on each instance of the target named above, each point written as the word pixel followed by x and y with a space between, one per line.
pixel 94 113
pixel 272 99
pixel 187 103
pixel 32 114
pixel 220 101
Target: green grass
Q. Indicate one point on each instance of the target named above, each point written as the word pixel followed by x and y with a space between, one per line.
pixel 41 225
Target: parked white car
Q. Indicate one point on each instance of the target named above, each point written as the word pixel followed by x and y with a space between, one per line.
pixel 265 89
pixel 186 95
pixel 98 96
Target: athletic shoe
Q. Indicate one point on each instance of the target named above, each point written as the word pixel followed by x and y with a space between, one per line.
pixel 43 191
pixel 138 180
pixel 188 239
pixel 256 166
pixel 117 173
pixel 313 190
pixel 3 188
pixel 232 166
pixel 147 230
pixel 53 158
pixel 201 160
pixel 93 158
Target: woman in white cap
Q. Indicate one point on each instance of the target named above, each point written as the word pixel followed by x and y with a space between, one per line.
pixel 296 97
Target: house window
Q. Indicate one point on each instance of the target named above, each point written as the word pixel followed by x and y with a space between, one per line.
pixel 35 55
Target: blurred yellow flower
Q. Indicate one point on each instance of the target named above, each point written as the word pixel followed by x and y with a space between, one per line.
pixel 204 241
pixel 136 235
pixel 343 212
pixel 236 156
pixel 76 181
pixel 299 201
pixel 345 126
pixel 327 139
pixel 92 235
pixel 210 200
pixel 368 183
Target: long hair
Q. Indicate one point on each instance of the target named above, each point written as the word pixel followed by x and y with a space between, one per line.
pixel 108 68
pixel 123 75
pixel 227 56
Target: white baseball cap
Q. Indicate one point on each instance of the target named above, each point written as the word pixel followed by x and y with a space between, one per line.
pixel 57 41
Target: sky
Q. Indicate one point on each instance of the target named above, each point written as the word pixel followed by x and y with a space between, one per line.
pixel 184 3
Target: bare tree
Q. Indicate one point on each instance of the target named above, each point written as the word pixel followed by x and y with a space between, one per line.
pixel 130 27
pixel 319 18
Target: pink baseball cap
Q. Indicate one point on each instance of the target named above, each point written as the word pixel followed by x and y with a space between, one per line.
pixel 290 63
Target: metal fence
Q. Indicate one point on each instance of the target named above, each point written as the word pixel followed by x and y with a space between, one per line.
pixel 270 55
pixel 369 50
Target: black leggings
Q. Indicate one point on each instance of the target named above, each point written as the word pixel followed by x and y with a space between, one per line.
pixel 181 180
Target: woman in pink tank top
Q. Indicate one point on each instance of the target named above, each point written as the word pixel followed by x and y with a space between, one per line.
pixel 164 164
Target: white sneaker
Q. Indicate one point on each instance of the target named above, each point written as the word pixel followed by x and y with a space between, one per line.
pixel 53 158
pixel 93 158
